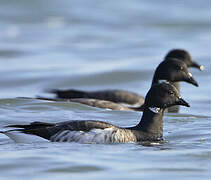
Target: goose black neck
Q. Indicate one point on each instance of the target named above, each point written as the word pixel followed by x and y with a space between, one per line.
pixel 155 80
pixel 151 122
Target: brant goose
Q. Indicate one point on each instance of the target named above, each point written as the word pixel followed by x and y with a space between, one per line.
pixel 150 128
pixel 123 96
pixel 171 70
pixel 184 56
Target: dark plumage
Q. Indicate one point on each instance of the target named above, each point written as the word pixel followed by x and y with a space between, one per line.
pixel 184 56
pixel 150 128
pixel 171 70
pixel 127 97
pixel 92 102
pixel 115 95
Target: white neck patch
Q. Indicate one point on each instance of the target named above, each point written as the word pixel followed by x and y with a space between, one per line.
pixel 154 109
pixel 162 81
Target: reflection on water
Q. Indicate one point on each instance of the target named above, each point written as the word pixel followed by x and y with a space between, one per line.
pixel 96 45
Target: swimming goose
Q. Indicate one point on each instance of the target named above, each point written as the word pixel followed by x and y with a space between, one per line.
pixel 171 70
pixel 184 56
pixel 150 128
pixel 123 96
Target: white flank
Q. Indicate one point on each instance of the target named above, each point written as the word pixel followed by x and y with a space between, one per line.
pixel 20 137
pixel 108 135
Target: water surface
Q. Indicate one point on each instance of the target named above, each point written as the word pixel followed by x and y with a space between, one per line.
pixel 96 45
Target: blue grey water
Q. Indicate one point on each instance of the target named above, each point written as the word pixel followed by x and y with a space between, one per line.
pixel 100 44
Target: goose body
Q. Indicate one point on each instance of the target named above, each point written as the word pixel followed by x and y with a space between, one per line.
pixel 109 105
pixel 123 96
pixel 114 95
pixel 170 70
pixel 150 128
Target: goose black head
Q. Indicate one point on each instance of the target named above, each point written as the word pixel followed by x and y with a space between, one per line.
pixel 173 70
pixel 184 56
pixel 163 95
